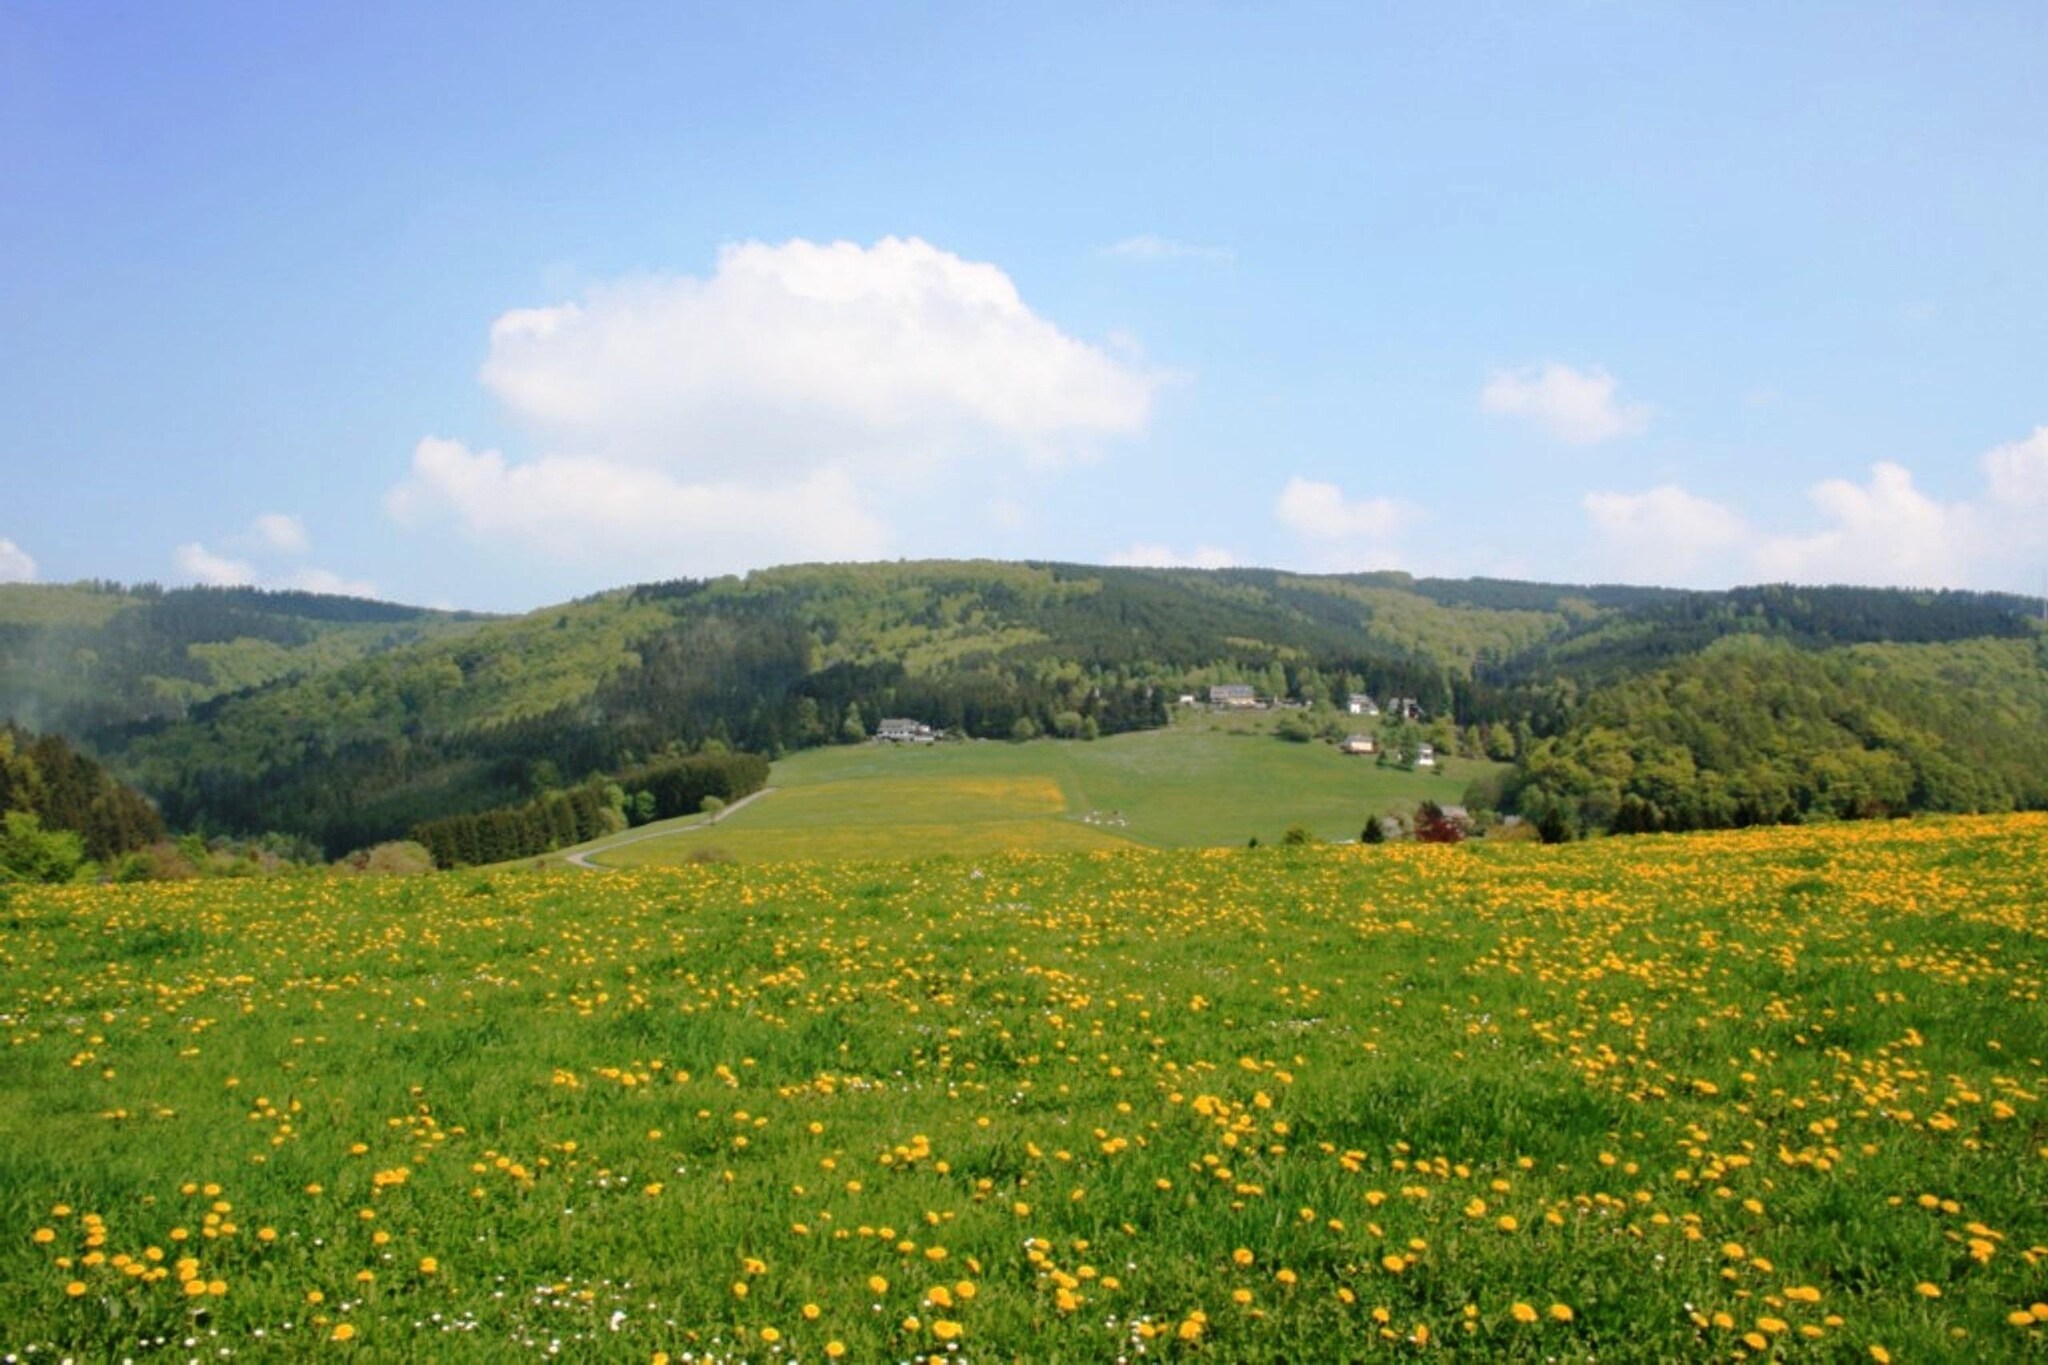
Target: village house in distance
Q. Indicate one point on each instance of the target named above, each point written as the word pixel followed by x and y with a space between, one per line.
pixel 1233 696
pixel 901 730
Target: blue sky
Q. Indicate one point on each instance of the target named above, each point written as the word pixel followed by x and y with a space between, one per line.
pixel 494 305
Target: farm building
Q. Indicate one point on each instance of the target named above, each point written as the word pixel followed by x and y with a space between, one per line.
pixel 1360 744
pixel 1233 694
pixel 899 730
pixel 1359 704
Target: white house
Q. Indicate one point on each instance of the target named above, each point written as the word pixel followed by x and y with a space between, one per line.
pixel 1425 755
pixel 1359 704
pixel 900 730
pixel 1233 694
pixel 1360 744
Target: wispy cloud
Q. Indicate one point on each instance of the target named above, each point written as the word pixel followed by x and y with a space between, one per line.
pixel 1151 555
pixel 1579 407
pixel 1149 248
pixel 1344 533
pixel 1321 511
pixel 282 532
pixel 202 565
pixel 271 537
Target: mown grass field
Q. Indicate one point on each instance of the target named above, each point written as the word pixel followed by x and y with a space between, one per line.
pixel 1204 782
pixel 1775 1093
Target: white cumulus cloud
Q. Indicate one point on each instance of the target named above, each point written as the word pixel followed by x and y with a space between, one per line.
pixel 1149 248
pixel 792 356
pixel 798 401
pixel 1152 555
pixel 1579 407
pixel 1884 530
pixel 2018 473
pixel 15 564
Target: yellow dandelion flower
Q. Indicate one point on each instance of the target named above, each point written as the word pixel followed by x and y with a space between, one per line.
pixel 1523 1312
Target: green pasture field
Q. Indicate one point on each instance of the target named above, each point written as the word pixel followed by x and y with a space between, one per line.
pixel 1204 782
pixel 1775 1093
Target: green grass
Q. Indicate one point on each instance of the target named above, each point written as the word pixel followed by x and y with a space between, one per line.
pixel 1207 781
pixel 1655 1093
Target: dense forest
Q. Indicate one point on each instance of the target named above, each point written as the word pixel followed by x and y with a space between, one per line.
pixel 1752 731
pixel 352 722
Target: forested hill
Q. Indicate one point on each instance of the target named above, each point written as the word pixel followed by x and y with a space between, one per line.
pixel 81 657
pixel 351 721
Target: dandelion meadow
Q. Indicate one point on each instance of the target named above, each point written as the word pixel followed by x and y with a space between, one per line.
pixel 1774 1093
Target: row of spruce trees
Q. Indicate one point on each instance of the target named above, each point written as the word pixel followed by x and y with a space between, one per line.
pixel 557 819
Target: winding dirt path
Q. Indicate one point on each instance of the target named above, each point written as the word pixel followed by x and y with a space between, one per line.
pixel 582 860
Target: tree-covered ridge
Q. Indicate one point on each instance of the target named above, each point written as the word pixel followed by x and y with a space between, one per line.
pixel 1754 730
pixel 1653 632
pixel 81 658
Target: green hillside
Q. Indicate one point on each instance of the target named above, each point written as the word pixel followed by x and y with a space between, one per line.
pixel 1202 782
pixel 351 721
pixel 792 658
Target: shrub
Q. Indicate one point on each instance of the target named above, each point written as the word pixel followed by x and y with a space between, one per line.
pixel 30 853
pixel 398 858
